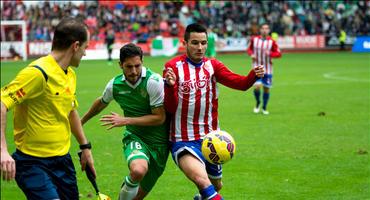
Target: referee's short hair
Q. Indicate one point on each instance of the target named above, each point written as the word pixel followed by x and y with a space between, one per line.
pixel 68 31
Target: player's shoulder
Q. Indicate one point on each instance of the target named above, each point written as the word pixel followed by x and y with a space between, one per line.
pixel 176 59
pixel 256 36
pixel 213 61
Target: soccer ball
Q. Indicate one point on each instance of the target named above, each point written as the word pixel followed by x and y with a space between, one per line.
pixel 218 147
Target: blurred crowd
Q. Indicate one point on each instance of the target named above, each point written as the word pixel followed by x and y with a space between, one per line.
pixel 227 18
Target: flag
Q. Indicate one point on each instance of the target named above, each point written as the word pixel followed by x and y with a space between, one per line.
pixel 164 46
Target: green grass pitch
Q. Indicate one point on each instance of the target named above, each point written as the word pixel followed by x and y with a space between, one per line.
pixel 293 153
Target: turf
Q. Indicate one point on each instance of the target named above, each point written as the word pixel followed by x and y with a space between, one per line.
pixel 313 145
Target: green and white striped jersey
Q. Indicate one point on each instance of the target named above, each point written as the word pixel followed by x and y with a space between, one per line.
pixel 139 100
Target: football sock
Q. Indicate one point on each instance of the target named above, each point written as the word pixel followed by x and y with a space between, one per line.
pixel 257 94
pixel 210 193
pixel 129 189
pixel 266 97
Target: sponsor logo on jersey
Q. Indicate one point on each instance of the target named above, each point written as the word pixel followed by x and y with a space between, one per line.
pixel 124 92
pixel 193 84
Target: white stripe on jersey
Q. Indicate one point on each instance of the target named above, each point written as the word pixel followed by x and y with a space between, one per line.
pixel 179 105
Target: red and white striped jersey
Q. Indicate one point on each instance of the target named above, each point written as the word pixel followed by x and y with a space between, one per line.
pixel 264 50
pixel 193 100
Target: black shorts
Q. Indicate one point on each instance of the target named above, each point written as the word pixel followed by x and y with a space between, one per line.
pixel 46 178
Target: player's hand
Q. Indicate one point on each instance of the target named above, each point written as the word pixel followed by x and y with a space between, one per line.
pixel 259 70
pixel 267 53
pixel 87 159
pixel 253 56
pixel 114 120
pixel 170 77
pixel 7 166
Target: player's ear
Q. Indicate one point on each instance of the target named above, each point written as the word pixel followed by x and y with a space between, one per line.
pixel 120 64
pixel 183 42
pixel 76 45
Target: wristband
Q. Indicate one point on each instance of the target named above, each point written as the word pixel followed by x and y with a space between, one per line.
pixel 85 146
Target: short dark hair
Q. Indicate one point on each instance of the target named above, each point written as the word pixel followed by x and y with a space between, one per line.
pixel 128 51
pixel 198 28
pixel 68 31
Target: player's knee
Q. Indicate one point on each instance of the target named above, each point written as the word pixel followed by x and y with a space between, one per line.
pixel 138 172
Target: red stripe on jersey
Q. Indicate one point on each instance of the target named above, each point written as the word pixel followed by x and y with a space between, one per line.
pixel 185 106
pixel 214 106
pixel 197 106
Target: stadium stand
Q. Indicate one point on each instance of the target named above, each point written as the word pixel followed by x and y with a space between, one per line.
pixel 145 20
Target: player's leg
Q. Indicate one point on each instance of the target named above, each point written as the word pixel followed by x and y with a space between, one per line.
pixel 266 97
pixel 137 157
pixel 190 160
pixel 195 170
pixel 267 83
pixel 257 95
pixel 141 194
pixel 215 175
pixel 217 183
pixel 157 164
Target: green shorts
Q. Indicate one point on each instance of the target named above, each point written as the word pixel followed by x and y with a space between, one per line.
pixel 156 155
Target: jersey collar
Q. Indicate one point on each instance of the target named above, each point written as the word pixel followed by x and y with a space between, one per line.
pixel 193 63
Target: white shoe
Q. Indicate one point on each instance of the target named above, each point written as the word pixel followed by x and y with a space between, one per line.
pixel 256 109
pixel 265 112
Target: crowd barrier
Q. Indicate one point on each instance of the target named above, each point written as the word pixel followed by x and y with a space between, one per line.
pixel 97 49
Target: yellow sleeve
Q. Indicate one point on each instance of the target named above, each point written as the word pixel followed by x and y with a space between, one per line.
pixel 29 83
pixel 74 77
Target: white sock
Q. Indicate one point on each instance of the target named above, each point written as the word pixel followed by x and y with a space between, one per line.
pixel 129 190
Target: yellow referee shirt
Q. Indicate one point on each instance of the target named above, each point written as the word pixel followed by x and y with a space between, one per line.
pixel 42 101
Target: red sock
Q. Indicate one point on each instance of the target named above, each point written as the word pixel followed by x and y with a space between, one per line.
pixel 217 197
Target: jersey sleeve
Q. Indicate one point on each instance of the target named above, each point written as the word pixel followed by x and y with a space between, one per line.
pixel 275 51
pixel 155 91
pixel 232 80
pixel 29 83
pixel 108 92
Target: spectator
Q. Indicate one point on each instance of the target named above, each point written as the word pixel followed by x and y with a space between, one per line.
pixel 228 18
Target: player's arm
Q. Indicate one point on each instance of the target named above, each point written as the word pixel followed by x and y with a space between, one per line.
pixel 275 51
pixel 28 83
pixel 236 81
pixel 95 109
pixel 77 131
pixel 100 103
pixel 157 116
pixel 7 162
pixel 170 89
